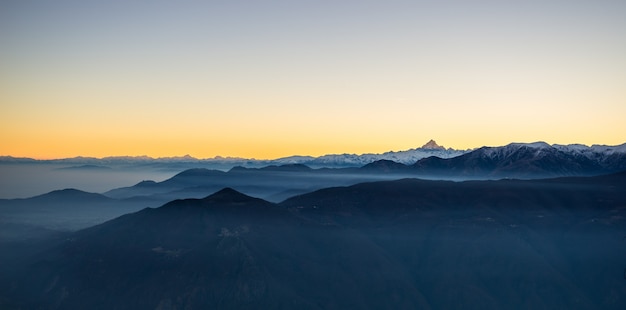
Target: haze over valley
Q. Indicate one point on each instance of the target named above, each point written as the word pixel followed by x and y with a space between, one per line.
pixel 382 235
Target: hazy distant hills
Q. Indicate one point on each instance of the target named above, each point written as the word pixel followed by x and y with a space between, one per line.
pixel 66 196
pixel 67 209
pixel 408 244
pixel 276 183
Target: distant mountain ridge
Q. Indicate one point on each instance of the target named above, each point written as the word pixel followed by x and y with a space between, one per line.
pixel 528 160
pixel 431 148
pixel 607 157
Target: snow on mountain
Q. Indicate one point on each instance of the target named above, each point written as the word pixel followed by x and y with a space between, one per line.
pixel 591 152
pixel 507 150
pixel 543 158
pixel 404 157
pixel 613 156
pixel 296 159
pixel 535 145
pixel 431 148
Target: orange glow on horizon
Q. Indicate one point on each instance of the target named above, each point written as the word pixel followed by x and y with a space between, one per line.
pixel 48 149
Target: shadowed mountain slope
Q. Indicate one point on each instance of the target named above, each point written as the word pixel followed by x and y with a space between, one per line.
pixel 227 251
pixel 555 243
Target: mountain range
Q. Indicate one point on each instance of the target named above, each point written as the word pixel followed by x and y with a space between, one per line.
pixel 276 183
pixel 72 209
pixel 591 159
pixel 431 148
pixel 408 244
pixel 526 225
pixel 528 160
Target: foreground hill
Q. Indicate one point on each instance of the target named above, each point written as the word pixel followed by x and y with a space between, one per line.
pixel 548 244
pixel 226 251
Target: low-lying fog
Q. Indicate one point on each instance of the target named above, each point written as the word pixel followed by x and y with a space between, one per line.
pixel 22 180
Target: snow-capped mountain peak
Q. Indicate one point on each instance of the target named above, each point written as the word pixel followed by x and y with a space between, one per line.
pixel 535 145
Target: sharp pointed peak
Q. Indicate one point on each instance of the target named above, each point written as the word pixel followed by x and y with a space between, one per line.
pixel 431 144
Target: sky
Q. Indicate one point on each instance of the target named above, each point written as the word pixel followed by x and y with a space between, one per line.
pixel 267 79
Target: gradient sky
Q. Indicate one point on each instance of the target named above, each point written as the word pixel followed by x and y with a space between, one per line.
pixel 266 79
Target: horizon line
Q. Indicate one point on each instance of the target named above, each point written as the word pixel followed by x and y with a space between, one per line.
pixel 217 157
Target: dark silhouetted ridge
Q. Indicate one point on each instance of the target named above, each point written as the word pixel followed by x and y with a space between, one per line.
pixel 238 168
pixel 197 172
pixel 87 167
pixel 229 195
pixel 70 194
pixel 272 168
pixel 192 177
pixel 288 167
pixel 227 201
pixel 385 165
pixel 146 183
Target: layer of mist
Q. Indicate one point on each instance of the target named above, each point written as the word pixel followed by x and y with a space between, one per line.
pixel 413 244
